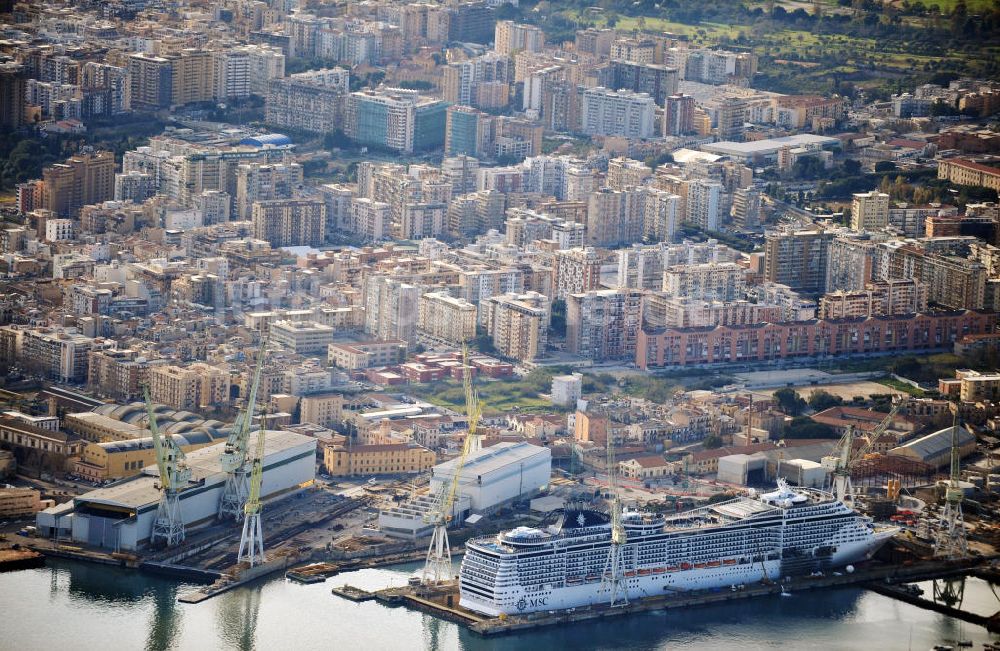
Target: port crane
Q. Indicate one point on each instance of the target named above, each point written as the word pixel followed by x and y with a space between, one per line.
pixel 252 540
pixel 951 541
pixel 843 486
pixel 235 458
pixel 168 527
pixel 613 579
pixel 437 567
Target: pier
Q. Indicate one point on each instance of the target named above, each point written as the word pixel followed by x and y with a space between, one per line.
pixel 443 601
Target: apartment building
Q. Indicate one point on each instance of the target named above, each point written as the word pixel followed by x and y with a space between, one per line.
pixel 712 281
pixel 150 82
pixel 511 37
pixel 518 324
pixel 603 324
pixel 391 309
pixel 55 354
pixel 879 298
pixel 80 180
pixel 869 211
pixel 797 259
pixel 324 409
pixel 444 318
pixel 265 182
pixel 313 101
pixel 289 222
pixel 703 202
pixel 117 374
pixel 189 388
pixel 622 113
pixel 367 354
pixel 576 271
pixel 302 337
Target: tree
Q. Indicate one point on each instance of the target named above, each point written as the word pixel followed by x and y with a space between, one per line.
pixel 558 322
pixel 807 428
pixel 789 401
pixel 712 442
pixel 820 400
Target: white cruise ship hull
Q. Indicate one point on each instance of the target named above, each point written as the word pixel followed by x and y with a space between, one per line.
pixel 738 542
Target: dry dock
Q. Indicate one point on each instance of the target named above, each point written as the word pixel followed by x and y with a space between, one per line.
pixel 442 601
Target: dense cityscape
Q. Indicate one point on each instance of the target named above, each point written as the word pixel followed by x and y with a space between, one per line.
pixel 517 315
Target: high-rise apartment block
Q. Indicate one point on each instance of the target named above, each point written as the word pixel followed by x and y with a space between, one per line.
pixel 397 119
pixel 290 222
pixel 703 203
pixel 518 324
pixel 869 211
pixel 313 101
pixel 512 37
pixel 678 115
pixel 444 318
pixel 603 324
pixel 797 259
pixel 190 388
pixel 81 180
pixel 151 81
pixel 391 309
pixel 617 113
pixel 576 271
pixel 265 182
pixel 711 281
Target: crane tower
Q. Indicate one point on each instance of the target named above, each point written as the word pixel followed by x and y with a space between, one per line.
pixel 252 540
pixel 437 567
pixel 843 486
pixel 613 580
pixel 235 459
pixel 951 541
pixel 168 527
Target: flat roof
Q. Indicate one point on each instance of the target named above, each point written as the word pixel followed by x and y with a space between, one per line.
pixel 767 146
pixel 205 464
pixel 492 458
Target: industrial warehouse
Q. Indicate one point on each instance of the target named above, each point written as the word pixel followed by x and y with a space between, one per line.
pixel 121 516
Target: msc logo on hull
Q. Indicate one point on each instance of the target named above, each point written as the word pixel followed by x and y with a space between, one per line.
pixel 540 602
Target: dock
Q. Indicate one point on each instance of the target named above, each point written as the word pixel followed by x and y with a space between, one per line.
pixel 443 601
pixel 353 594
pixel 19 559
pixel 236 577
pixel 313 573
pixel 991 624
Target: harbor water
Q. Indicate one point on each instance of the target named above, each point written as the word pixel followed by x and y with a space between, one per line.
pixel 69 605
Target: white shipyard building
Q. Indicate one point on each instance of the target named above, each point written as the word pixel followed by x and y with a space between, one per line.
pixel 492 477
pixel 120 516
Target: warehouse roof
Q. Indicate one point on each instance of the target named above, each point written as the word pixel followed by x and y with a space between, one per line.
pixel 493 458
pixel 768 146
pixel 936 444
pixel 142 491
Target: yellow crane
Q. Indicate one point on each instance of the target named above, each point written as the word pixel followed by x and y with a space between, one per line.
pixel 437 567
pixel 613 580
pixel 252 540
pixel 843 487
pixel 235 456
pixel 168 527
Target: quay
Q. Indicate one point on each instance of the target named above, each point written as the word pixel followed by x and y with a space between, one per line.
pixel 991 624
pixel 353 594
pixel 442 601
pixel 19 559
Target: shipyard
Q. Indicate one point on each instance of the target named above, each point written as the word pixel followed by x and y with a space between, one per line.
pixel 489 325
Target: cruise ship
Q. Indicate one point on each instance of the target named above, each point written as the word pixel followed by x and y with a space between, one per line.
pixel 787 532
